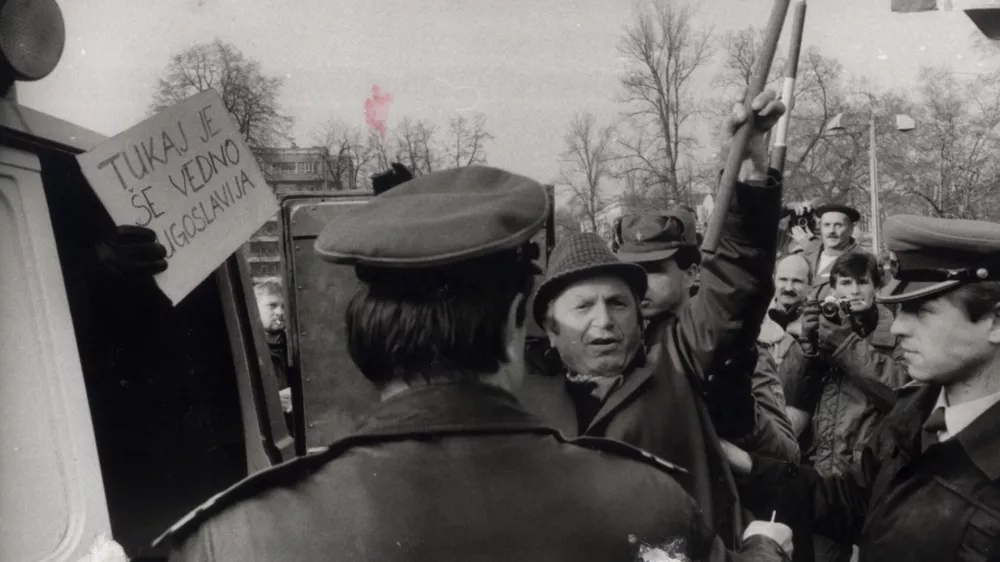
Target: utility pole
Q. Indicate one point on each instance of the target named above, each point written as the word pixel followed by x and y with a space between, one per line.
pixel 873 184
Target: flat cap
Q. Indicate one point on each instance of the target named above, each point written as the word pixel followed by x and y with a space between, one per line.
pixel 824 208
pixel 438 219
pixel 934 255
pixel 656 236
pixel 581 256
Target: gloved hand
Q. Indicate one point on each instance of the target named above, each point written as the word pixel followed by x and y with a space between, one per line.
pixel 132 251
pixel 833 332
pixel 810 320
pixel 729 396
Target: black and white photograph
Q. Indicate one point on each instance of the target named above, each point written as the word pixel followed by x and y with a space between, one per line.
pixel 499 280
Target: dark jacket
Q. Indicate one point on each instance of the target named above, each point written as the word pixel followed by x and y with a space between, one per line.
pixel 659 406
pixel 847 392
pixel 898 503
pixel 456 472
pixel 772 434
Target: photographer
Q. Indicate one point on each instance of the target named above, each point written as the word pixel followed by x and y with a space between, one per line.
pixel 840 379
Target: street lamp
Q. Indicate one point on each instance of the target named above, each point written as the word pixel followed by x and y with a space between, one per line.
pixel 904 123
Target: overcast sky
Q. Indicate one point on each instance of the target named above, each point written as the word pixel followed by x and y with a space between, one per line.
pixel 527 65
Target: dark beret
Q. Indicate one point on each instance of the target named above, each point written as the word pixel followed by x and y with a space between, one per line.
pixel 933 255
pixel 851 212
pixel 438 219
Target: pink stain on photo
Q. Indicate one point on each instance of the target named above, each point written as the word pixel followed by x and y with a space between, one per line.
pixel 377 109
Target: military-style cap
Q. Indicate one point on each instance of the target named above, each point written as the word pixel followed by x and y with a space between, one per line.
pixel 823 208
pixel 656 236
pixel 934 255
pixel 438 219
pixel 577 257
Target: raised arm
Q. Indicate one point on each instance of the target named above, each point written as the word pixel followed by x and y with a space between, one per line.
pixel 736 281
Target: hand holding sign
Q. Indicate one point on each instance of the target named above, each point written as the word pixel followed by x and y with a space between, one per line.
pixel 187 175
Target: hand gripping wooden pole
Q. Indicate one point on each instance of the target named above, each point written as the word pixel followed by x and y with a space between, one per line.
pixel 739 143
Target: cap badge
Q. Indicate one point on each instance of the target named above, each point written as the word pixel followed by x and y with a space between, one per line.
pixel 638 237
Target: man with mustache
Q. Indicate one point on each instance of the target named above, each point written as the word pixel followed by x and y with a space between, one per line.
pixel 926 486
pixel 781 327
pixel 649 396
pixel 836 226
pixel 840 380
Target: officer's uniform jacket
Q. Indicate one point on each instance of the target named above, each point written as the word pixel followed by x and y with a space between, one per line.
pixel 659 406
pixel 898 503
pixel 846 392
pixel 456 472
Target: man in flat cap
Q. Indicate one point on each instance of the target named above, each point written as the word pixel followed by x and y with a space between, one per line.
pixel 926 487
pixel 648 395
pixel 449 466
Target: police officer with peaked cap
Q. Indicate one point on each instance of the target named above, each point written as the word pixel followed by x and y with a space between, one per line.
pixel 449 466
pixel 927 487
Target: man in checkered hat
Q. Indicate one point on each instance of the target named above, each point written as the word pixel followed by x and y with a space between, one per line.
pixel 615 386
pixel 926 487
pixel 449 466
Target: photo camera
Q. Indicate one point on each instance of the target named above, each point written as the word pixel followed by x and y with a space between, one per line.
pixel 833 309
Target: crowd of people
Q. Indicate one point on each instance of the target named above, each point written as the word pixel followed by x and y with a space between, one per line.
pixel 762 401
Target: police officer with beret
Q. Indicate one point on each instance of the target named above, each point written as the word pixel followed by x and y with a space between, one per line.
pixel 927 487
pixel 449 466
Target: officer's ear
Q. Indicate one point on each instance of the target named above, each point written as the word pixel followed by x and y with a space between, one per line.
pixel 516 327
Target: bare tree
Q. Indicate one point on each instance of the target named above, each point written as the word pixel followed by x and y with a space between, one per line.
pixel 353 155
pixel 415 146
pixel 587 165
pixel 466 140
pixel 250 96
pixel 663 50
pixel 567 222
pixel 948 166
pixel 741 50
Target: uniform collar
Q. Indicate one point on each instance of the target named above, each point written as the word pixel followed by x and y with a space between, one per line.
pixel 450 407
pixel 973 424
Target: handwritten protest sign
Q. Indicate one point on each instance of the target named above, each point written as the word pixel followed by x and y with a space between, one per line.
pixel 187 175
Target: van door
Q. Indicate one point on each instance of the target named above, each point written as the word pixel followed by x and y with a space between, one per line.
pixel 53 504
pixel 334 393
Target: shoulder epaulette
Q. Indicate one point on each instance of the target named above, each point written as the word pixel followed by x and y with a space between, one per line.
pixel 625 450
pixel 284 474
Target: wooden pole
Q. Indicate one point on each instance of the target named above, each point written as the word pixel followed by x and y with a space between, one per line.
pixel 734 162
pixel 788 93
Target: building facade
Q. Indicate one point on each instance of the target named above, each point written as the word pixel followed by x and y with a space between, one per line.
pixel 290 171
